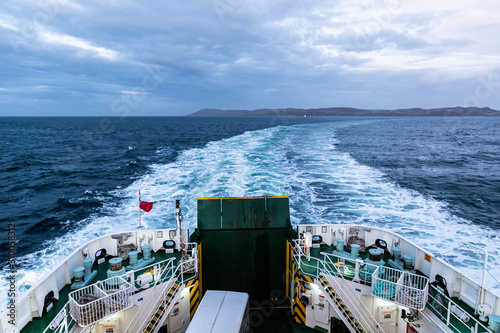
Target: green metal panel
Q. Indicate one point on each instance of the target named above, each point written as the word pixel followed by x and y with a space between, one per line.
pixel 254 213
pixel 278 212
pixel 209 213
pixel 242 213
pixel 248 253
pixel 232 213
pixel 245 260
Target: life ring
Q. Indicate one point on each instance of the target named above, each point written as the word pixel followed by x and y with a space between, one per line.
pixel 183 249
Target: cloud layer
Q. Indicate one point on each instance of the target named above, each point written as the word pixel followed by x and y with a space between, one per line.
pixel 64 57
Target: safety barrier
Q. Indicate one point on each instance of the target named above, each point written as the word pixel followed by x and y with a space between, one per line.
pixel 400 287
pixel 341 296
pixel 95 302
pixel 451 314
pixel 62 322
pixel 175 273
pixel 349 296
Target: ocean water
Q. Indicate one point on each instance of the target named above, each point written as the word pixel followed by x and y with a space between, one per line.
pixel 64 181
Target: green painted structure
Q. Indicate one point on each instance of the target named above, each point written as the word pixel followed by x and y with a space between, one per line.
pixel 244 245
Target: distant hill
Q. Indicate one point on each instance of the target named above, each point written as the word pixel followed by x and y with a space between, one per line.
pixel 344 111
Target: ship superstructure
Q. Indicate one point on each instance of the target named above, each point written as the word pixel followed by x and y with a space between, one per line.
pixel 253 272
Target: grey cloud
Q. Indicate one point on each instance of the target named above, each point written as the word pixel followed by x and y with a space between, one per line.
pixel 255 54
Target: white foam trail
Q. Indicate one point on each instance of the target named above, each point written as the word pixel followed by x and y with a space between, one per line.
pixel 324 185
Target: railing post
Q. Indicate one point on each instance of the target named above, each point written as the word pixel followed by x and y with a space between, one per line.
pixel 65 325
pixel 182 272
pixel 448 314
pixel 300 260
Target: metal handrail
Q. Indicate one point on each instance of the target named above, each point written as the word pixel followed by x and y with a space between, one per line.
pixel 181 264
pixel 348 294
pixel 144 312
pixel 434 302
pixel 62 322
pixel 140 313
pixel 400 287
pixel 167 310
pixel 158 269
pixel 108 297
pixel 352 307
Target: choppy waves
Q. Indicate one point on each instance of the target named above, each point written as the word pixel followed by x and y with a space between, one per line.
pixel 324 185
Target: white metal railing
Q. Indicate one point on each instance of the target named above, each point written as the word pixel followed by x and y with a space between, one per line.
pixel 299 253
pixel 62 322
pixel 175 290
pixel 190 264
pixel 400 287
pixel 186 265
pixel 345 292
pixel 347 267
pixel 161 272
pixel 166 271
pixel 155 295
pixel 446 309
pixel 349 297
pixel 93 303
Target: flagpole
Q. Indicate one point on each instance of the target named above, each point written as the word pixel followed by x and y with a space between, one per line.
pixel 140 209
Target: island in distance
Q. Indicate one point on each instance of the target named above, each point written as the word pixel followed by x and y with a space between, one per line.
pixel 345 111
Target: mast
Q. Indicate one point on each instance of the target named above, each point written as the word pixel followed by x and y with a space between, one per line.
pixel 139 209
pixel 178 216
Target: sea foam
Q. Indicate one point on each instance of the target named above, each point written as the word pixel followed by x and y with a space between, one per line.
pixel 301 161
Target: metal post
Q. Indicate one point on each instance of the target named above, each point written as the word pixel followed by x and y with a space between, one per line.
pixel 485 269
pixel 178 216
pixel 448 314
pixel 182 272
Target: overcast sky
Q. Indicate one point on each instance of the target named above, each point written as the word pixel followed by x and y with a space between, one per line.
pixel 66 57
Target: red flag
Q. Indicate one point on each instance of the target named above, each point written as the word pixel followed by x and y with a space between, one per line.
pixel 146 206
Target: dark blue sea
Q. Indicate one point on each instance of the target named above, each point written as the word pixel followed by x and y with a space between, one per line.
pixel 64 181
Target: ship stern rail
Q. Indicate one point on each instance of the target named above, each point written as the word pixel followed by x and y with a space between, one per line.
pixel 452 314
